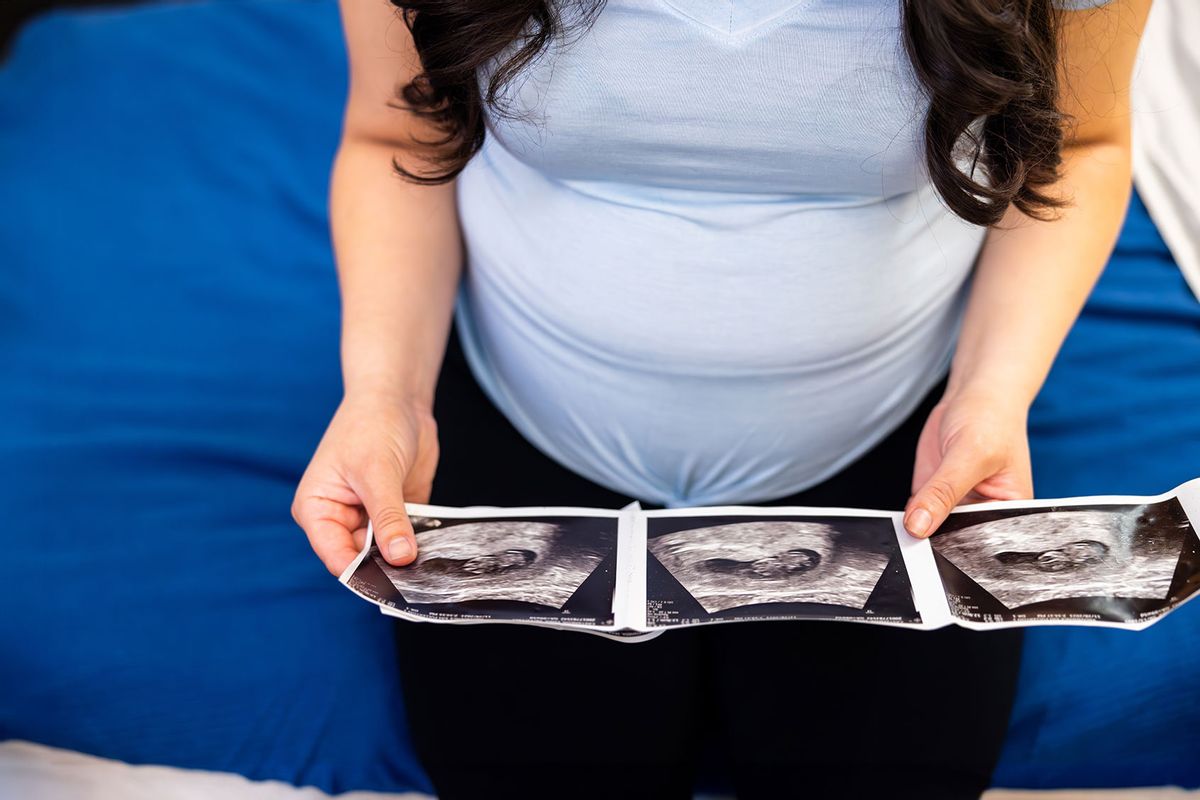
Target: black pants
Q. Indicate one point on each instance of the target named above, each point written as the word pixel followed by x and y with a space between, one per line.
pixel 784 709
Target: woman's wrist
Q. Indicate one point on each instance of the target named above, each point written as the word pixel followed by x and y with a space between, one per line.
pixel 998 381
pixel 1003 398
pixel 391 363
pixel 388 394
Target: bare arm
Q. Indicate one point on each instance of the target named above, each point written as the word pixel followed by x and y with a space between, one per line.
pixel 1032 280
pixel 398 250
pixel 397 243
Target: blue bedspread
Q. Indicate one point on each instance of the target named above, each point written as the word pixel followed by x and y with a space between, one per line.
pixel 168 341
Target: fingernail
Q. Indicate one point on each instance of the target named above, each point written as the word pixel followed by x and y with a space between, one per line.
pixel 399 549
pixel 919 521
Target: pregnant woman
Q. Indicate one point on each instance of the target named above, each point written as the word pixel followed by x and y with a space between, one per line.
pixel 696 252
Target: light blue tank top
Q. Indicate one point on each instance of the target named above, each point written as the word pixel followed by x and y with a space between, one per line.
pixel 705 264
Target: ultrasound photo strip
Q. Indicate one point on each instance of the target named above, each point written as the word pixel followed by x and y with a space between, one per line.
pixel 1116 561
pixel 553 566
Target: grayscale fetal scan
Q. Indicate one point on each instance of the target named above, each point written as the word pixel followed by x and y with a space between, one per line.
pixel 525 560
pixel 769 561
pixel 1065 553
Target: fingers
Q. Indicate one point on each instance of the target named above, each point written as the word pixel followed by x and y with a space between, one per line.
pixel 961 470
pixel 328 525
pixel 382 492
pixel 360 538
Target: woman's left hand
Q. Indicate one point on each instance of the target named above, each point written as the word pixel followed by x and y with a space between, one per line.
pixel 974 447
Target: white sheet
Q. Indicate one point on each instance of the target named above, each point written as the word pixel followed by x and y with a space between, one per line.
pixel 36 772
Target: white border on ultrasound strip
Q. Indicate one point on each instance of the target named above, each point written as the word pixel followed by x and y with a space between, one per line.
pixel 474 512
pixel 629 595
pixel 912 626
pixel 614 633
pixel 391 611
pixel 349 571
pixel 768 511
pixel 1189 488
pixel 929 593
pixel 1188 494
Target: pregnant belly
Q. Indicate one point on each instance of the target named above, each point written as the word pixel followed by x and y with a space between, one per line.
pixel 686 436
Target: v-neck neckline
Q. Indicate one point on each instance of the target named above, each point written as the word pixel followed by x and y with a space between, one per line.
pixel 733 17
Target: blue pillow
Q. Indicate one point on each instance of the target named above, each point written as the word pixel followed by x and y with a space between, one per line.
pixel 168 341
pixel 1118 415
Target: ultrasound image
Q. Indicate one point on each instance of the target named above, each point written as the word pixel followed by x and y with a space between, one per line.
pixel 525 560
pixel 1067 553
pixel 771 561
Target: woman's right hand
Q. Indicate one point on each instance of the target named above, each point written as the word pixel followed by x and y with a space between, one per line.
pixel 378 452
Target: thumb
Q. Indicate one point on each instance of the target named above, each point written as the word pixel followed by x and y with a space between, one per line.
pixel 960 471
pixel 383 497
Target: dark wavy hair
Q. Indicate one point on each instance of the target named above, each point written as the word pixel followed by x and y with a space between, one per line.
pixel 988 67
